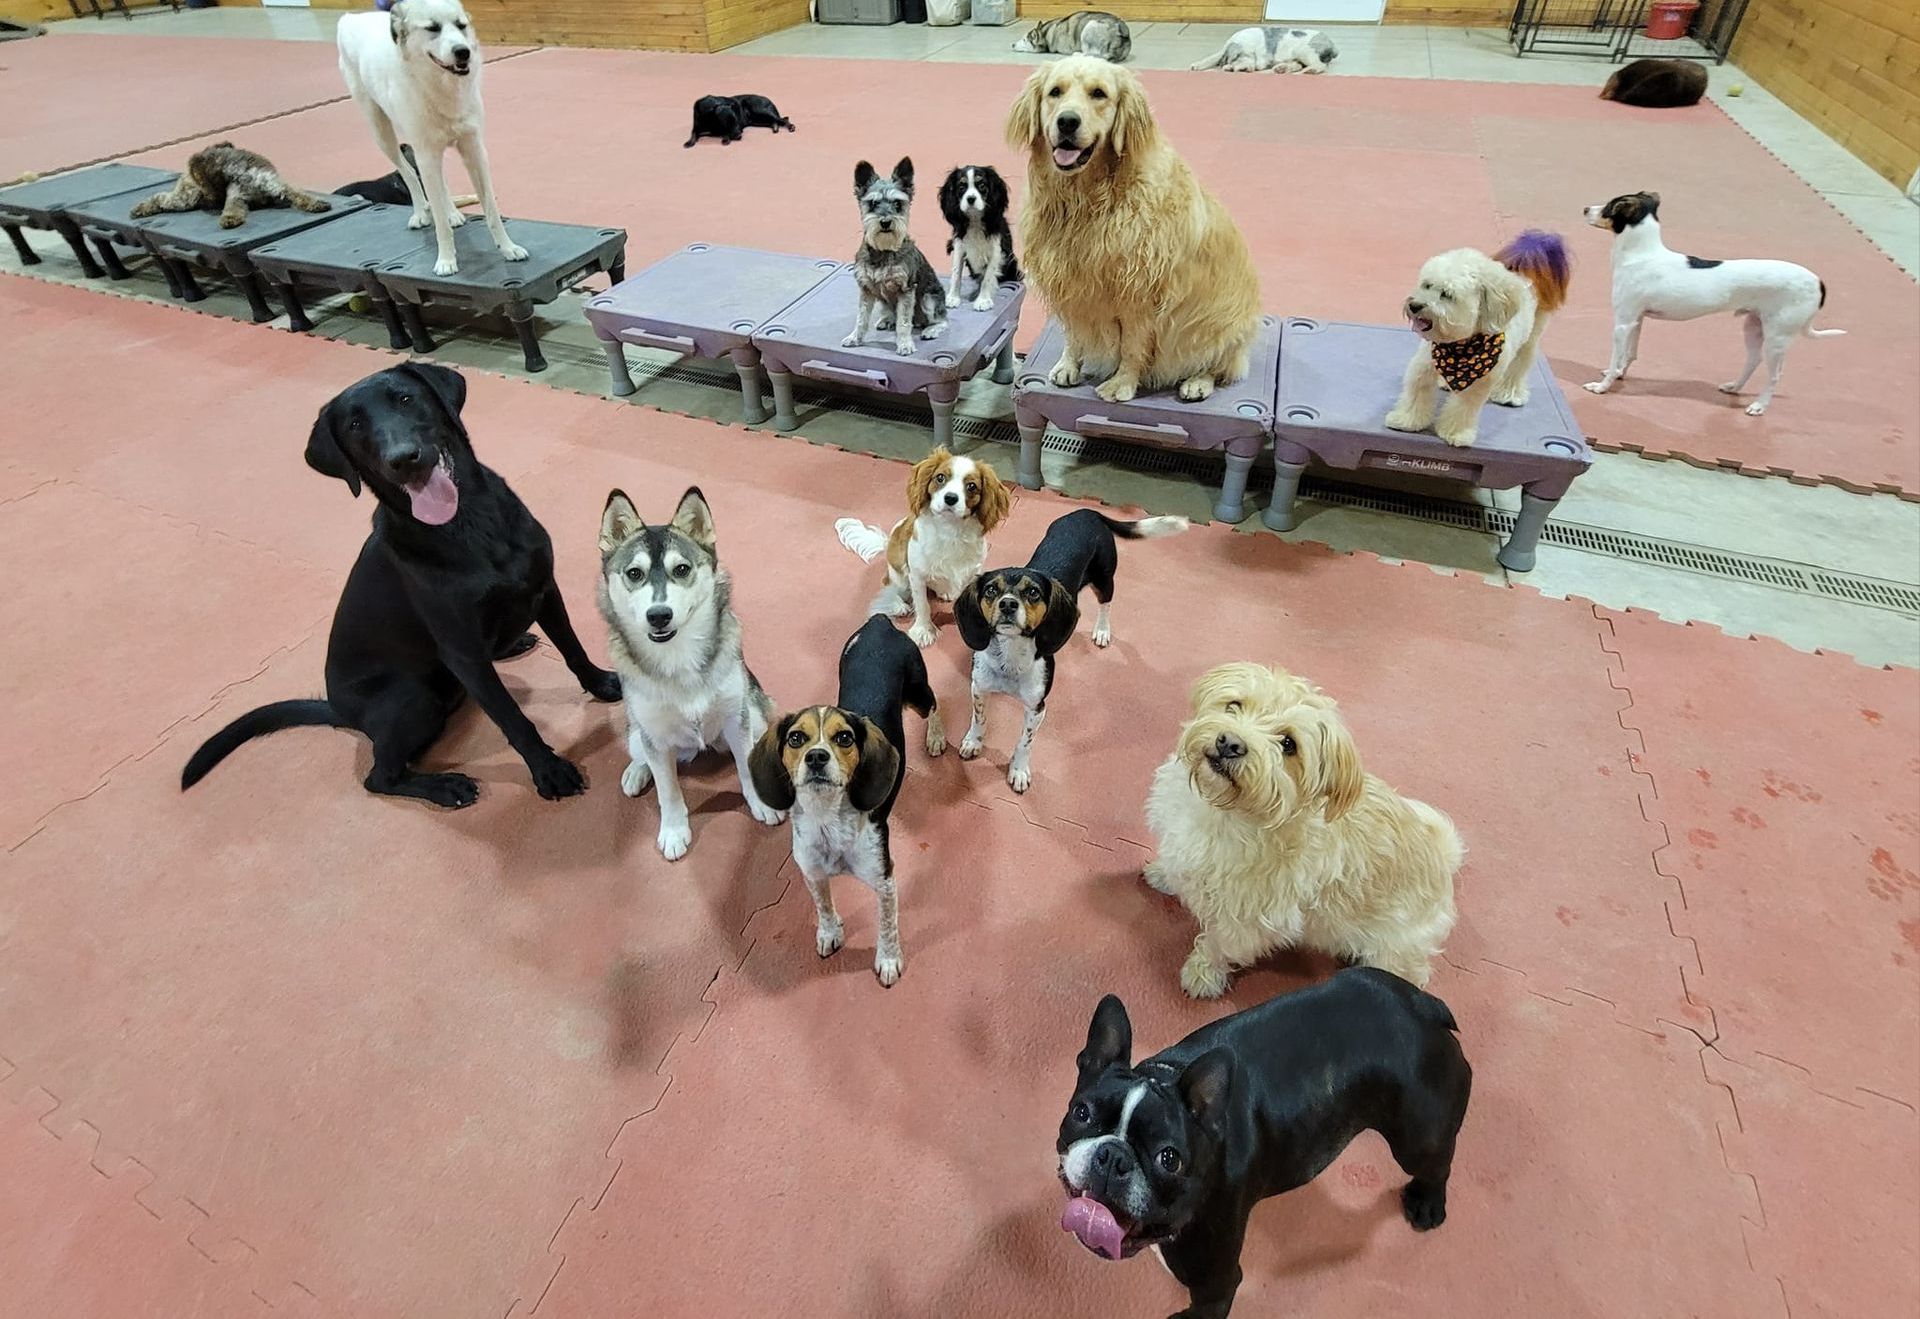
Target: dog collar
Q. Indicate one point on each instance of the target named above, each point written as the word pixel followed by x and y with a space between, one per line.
pixel 1461 364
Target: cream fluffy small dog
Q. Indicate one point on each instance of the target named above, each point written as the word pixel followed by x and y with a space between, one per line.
pixel 1142 266
pixel 1272 835
pixel 1482 317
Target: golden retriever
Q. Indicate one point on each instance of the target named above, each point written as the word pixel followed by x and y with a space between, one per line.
pixel 1142 266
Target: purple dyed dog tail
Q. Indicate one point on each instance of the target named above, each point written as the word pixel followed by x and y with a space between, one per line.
pixel 1541 259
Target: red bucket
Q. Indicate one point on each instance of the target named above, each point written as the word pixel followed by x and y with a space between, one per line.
pixel 1669 19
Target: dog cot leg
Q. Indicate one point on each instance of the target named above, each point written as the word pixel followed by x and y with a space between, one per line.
pixel 1518 553
pixel 416 327
pixel 521 314
pixel 620 380
pixel 746 364
pixel 1031 433
pixel 1286 485
pixel 1003 364
pixel 942 397
pixel 111 260
pixel 1232 505
pixel 256 298
pixel 782 382
pixel 189 286
pixel 77 243
pixel 172 277
pixel 28 257
pixel 297 322
pixel 390 317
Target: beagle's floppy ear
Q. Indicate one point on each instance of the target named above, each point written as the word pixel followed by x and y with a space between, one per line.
pixel 970 618
pixel 920 481
pixel 863 174
pixel 879 766
pixel 1057 624
pixel 324 454
pixel 995 500
pixel 1134 132
pixel 694 519
pixel 1109 1039
pixel 1023 117
pixel 1502 295
pixel 768 769
pixel 618 520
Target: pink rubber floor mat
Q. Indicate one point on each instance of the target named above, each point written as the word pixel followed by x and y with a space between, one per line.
pixel 378 1060
pixel 1790 789
pixel 1299 161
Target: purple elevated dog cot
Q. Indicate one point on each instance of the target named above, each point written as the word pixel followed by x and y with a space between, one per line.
pixel 1237 418
pixel 805 340
pixel 1338 380
pixel 703 301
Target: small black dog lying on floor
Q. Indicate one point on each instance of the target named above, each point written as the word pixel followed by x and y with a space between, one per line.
pixel 455 572
pixel 1175 1152
pixel 729 117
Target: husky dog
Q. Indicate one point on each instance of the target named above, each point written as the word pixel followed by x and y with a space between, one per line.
pixel 1282 49
pixel 675 643
pixel 1083 32
pixel 893 274
pixel 229 179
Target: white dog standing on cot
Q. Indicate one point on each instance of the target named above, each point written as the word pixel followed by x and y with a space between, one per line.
pixel 1776 301
pixel 1282 49
pixel 415 70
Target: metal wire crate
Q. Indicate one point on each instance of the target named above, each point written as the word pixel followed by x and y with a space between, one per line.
pixel 1615 30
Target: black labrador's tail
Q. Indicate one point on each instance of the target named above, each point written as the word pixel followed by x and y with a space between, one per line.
pixel 252 724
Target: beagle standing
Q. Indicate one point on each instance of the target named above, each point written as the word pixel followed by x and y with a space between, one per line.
pixel 1016 619
pixel 839 767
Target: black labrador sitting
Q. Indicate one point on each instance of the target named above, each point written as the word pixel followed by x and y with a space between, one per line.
pixel 455 572
pixel 729 117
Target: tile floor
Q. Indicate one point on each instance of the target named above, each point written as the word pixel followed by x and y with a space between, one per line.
pixel 1769 520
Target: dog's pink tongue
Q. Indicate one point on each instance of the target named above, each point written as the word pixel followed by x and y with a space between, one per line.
pixel 1064 156
pixel 436 499
pixel 1095 1225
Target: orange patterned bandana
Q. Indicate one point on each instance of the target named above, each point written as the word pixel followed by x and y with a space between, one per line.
pixel 1460 364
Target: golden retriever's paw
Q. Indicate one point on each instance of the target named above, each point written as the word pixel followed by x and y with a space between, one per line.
pixel 1065 374
pixel 1404 419
pixel 1195 388
pixel 1119 389
pixel 1202 977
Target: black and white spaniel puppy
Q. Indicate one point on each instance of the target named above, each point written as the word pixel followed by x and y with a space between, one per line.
pixel 1015 620
pixel 838 768
pixel 974 200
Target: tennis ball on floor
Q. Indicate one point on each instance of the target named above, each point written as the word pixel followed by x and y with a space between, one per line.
pixel 359 304
pixel 1736 89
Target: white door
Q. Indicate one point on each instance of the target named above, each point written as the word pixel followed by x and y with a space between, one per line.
pixel 1325 11
pixel 287 4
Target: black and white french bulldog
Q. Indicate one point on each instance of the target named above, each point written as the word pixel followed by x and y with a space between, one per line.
pixel 1174 1152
